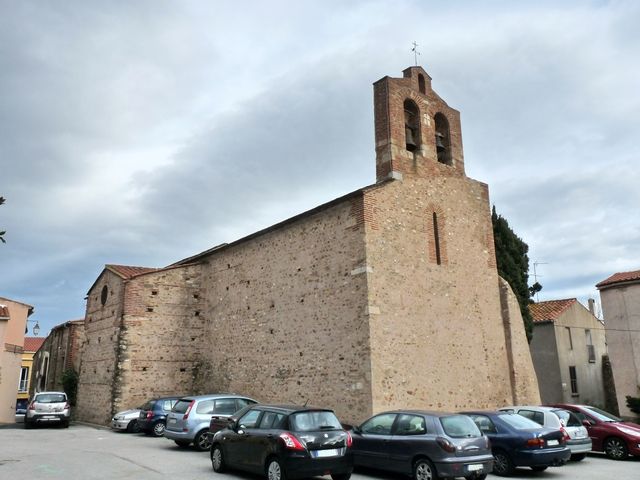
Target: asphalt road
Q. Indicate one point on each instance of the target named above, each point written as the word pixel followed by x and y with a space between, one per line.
pixel 85 453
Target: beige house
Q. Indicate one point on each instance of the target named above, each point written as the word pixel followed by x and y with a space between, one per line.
pixel 620 297
pixel 13 323
pixel 567 347
pixel 386 297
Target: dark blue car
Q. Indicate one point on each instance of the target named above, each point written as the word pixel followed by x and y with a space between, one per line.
pixel 153 415
pixel 517 441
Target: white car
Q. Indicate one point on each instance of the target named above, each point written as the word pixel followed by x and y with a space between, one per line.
pixel 126 420
pixel 48 408
pixel 576 434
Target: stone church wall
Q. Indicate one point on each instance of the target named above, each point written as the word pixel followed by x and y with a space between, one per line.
pixel 287 315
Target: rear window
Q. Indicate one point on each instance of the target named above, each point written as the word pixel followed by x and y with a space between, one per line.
pixel 518 421
pixel 181 406
pixel 568 419
pixel 459 426
pixel 51 398
pixel 313 421
pixel 147 406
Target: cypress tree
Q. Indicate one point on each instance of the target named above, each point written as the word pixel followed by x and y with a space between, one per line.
pixel 513 265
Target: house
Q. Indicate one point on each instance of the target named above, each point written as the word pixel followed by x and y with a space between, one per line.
pixel 13 323
pixel 59 352
pixel 386 297
pixel 31 346
pixel 620 298
pixel 567 346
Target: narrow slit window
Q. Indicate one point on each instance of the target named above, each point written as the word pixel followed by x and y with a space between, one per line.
pixel 436 238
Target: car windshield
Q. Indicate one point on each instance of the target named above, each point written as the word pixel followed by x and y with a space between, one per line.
pixel 601 415
pixel 51 398
pixel 312 421
pixel 458 426
pixel 181 406
pixel 518 421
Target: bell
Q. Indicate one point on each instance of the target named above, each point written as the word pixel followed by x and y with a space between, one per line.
pixel 408 133
pixel 439 143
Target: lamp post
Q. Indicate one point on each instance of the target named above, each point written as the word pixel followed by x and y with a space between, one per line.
pixel 35 329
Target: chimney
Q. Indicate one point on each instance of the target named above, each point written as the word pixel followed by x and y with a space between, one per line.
pixel 592 306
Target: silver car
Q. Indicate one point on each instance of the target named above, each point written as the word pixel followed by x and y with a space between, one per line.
pixel 575 433
pixel 126 420
pixel 188 421
pixel 48 408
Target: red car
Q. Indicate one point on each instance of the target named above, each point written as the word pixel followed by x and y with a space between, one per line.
pixel 609 434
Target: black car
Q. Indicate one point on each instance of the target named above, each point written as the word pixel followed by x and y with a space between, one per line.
pixel 422 444
pixel 517 441
pixel 153 415
pixel 284 442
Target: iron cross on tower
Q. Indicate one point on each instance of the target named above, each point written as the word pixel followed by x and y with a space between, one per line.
pixel 415 52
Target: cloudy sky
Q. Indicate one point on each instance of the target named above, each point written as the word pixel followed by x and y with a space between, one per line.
pixel 143 132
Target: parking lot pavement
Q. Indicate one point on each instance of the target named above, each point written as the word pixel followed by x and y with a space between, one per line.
pixel 87 453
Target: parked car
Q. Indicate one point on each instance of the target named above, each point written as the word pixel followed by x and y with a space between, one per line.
pixel 609 434
pixel 425 445
pixel 218 422
pixel 285 442
pixel 576 434
pixel 189 419
pixel 153 415
pixel 127 420
pixel 517 441
pixel 48 408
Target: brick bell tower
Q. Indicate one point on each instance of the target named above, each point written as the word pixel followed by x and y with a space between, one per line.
pixel 417 133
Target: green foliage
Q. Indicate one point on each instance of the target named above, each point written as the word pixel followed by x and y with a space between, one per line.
pixel 513 266
pixel 70 384
pixel 634 404
pixel 3 232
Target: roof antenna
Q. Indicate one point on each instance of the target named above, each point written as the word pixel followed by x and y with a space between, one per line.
pixel 415 52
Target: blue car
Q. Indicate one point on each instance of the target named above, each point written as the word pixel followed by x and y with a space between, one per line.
pixel 517 441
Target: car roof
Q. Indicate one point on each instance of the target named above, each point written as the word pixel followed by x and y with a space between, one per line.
pixel 531 407
pixel 49 393
pixel 422 412
pixel 213 396
pixel 291 408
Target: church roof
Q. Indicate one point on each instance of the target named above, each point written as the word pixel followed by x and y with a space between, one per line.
pixel 127 272
pixel 619 278
pixel 551 310
pixel 32 344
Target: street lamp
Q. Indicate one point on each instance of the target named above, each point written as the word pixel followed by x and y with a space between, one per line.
pixel 35 329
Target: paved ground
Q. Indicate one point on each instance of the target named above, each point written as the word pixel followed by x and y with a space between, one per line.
pixel 86 453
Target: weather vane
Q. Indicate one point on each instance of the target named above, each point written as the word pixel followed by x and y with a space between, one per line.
pixel 415 52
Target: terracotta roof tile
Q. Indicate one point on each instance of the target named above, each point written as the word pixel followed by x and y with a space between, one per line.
pixel 128 272
pixel 619 278
pixel 32 344
pixel 4 312
pixel 551 310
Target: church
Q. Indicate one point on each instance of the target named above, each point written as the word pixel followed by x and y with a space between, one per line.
pixel 387 297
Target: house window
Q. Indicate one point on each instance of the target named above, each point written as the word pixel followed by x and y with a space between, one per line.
pixel 23 386
pixel 574 381
pixel 570 339
pixel 591 351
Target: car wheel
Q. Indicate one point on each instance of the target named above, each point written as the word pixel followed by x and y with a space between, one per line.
pixel 340 476
pixel 202 441
pixel 615 448
pixel 217 459
pixel 65 424
pixel 423 470
pixel 158 429
pixel 538 469
pixel 502 464
pixel 275 470
pixel 578 457
pixel 133 426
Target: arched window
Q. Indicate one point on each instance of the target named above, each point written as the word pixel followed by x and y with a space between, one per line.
pixel 411 125
pixel 421 86
pixel 443 140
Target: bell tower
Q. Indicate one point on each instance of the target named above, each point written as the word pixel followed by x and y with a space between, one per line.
pixel 416 132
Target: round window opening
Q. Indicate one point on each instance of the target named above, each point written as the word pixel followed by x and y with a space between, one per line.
pixel 104 295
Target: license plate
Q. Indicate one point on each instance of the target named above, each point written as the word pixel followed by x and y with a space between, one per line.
pixel 49 417
pixel 332 452
pixel 552 443
pixel 172 421
pixel 474 467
